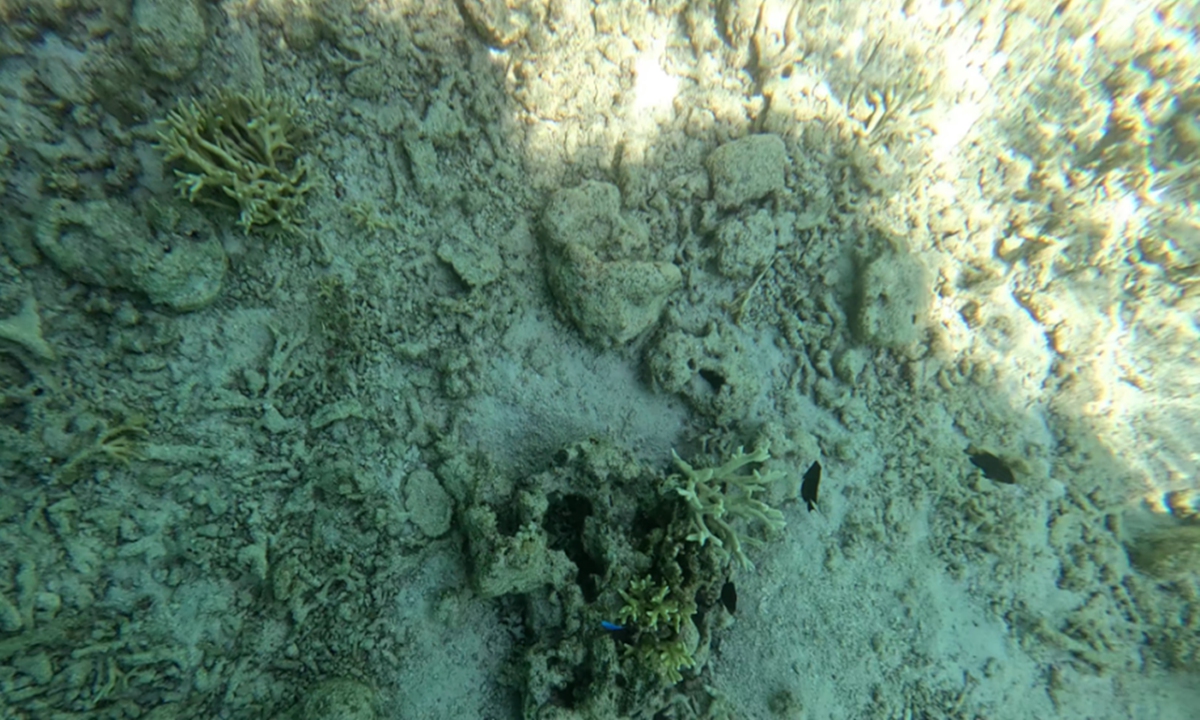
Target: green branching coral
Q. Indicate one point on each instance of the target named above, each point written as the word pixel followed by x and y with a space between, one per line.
pixel 238 147
pixel 719 496
pixel 646 607
pixel 662 620
pixel 667 659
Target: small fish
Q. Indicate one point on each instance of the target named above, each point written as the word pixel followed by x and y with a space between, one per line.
pixel 619 633
pixel 729 596
pixel 812 482
pixel 993 467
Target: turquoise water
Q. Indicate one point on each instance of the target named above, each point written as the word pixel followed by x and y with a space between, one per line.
pixel 385 359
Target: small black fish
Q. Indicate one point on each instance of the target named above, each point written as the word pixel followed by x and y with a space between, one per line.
pixel 812 483
pixel 729 596
pixel 993 467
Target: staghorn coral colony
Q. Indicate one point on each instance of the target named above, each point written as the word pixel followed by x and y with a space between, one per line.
pixel 238 148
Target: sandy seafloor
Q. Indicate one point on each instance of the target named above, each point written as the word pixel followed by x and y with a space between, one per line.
pixel 227 483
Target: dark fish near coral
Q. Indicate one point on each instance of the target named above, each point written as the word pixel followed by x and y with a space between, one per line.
pixel 810 486
pixel 993 467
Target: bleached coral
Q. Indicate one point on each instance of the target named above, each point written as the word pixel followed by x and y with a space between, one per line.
pixel 718 497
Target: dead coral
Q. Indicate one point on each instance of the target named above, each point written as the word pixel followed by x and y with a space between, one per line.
pixel 239 147
pixel 121 444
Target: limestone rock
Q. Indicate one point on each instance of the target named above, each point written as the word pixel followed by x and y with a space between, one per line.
pixel 894 301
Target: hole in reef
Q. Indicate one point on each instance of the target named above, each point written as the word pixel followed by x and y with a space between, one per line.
pixel 564 523
pixel 715 379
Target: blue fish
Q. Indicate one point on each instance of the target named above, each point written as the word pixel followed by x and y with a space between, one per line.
pixel 619 633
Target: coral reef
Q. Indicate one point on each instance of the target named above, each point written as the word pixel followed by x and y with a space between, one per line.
pixel 620 614
pixel 239 147
pixel 668 659
pixel 111 445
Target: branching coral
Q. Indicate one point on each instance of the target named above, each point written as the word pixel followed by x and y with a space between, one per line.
pixel 238 147
pixel 645 606
pixel 719 496
pixel 661 619
pixel 112 445
pixel 667 659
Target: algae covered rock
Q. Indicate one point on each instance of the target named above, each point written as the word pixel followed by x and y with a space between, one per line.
pixel 746 245
pixel 108 244
pixel 428 503
pixel 168 35
pixel 338 699
pixel 475 261
pixel 612 303
pixel 519 563
pixel 597 269
pixel 1171 552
